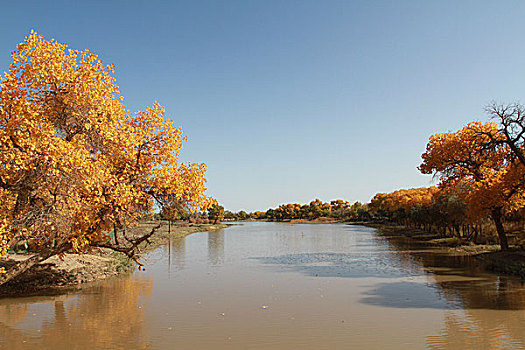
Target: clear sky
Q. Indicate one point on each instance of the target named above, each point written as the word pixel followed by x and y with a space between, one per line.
pixel 287 101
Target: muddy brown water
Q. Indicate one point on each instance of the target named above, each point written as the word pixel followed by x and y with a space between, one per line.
pixel 280 286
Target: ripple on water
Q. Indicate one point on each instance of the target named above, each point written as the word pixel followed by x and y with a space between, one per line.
pixel 353 265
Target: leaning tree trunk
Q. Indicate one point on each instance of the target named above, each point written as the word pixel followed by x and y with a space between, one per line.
pixel 497 217
pixel 22 266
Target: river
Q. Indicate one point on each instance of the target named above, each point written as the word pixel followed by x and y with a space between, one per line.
pixel 280 286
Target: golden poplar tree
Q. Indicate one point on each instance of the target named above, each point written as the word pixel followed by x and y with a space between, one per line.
pixel 493 180
pixel 74 162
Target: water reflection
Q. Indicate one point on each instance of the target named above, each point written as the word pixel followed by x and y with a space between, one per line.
pixel 176 253
pixel 216 247
pixel 478 329
pixel 407 295
pixel 281 287
pixel 13 313
pixel 105 316
pixel 452 280
pixel 458 277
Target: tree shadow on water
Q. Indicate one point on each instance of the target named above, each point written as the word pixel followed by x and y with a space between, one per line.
pixel 446 288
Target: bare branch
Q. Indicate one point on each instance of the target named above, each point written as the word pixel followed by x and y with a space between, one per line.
pixel 130 251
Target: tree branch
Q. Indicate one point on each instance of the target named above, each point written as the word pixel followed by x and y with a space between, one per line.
pixel 130 251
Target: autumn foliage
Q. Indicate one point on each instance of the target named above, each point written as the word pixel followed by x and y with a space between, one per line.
pixel 475 159
pixel 481 177
pixel 75 163
pixel 317 210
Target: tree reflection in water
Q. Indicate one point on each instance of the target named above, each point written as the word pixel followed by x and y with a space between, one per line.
pixel 461 279
pixel 480 329
pixel 108 315
pixel 216 247
pixel 492 312
pixel 377 285
pixel 175 250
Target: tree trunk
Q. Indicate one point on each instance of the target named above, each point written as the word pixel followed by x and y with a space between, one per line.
pixel 497 217
pixel 21 201
pixel 458 232
pixel 23 266
pixel 115 232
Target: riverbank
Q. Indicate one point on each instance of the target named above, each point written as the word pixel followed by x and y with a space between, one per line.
pixel 73 271
pixel 490 257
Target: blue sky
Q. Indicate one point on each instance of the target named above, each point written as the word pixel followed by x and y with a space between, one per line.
pixel 287 101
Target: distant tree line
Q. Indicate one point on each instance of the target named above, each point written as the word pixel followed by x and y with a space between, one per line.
pixel 316 209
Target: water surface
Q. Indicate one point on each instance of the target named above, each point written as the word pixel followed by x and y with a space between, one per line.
pixel 281 286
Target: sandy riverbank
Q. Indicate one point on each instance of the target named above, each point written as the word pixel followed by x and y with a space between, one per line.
pixel 73 271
